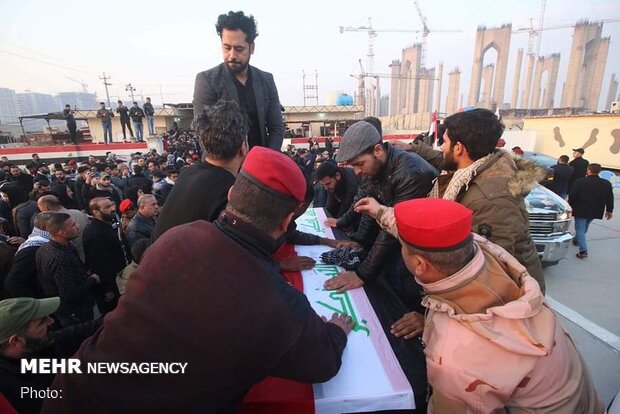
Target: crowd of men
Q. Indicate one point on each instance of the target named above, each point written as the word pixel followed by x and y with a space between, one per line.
pixel 194 248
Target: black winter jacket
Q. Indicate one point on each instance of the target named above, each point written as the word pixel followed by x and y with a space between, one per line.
pixel 590 197
pixel 405 176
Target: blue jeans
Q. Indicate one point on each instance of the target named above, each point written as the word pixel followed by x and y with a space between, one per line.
pixel 151 123
pixel 107 131
pixel 582 225
pixel 139 131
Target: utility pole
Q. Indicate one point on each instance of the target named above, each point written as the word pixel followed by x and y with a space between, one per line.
pixel 105 80
pixel 129 88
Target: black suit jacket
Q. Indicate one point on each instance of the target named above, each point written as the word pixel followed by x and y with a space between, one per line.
pixel 590 197
pixel 217 83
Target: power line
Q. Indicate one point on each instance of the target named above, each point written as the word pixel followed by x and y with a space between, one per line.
pixel 43 61
pixel 36 52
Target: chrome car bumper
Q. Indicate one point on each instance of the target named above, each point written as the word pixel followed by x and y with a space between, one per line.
pixel 552 249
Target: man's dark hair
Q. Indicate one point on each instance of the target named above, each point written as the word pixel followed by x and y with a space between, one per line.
pixel 327 169
pixel 170 170
pixel 376 122
pixel 237 21
pixel 478 130
pixel 56 222
pixel 158 174
pixel 261 208
pixel 154 162
pixel 448 262
pixel 564 158
pixel 82 169
pixel 595 168
pixel 223 128
pixel 101 103
pixel 137 169
pixel 67 106
pixel 119 101
pixel 41 219
pixel 44 183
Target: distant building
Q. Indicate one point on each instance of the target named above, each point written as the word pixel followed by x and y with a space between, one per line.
pixel 79 100
pixel 36 103
pixel 384 106
pixel 9 109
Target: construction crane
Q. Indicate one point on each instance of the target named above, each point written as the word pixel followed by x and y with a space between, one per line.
pixel 84 85
pixel 376 92
pixel 372 33
pixel 425 32
pixel 533 33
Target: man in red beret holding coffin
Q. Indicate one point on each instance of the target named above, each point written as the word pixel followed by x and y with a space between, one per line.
pixel 208 295
pixel 492 343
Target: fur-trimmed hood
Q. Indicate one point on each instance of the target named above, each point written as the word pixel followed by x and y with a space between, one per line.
pixel 524 172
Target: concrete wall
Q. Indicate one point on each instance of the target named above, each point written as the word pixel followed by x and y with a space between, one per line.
pixel 406 123
pixel 499 39
pixel 551 65
pixel 598 134
pixel 487 92
pixel 452 100
pixel 515 83
pixel 163 122
pixel 611 93
pixel 395 68
pixel 411 63
pixel 586 67
pixel 527 89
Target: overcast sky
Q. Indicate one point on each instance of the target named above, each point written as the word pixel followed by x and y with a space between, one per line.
pixel 159 46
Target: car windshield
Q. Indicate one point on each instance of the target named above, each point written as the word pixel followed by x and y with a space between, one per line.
pixel 540 159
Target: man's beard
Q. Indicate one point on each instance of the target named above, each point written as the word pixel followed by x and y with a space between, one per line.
pixel 33 345
pixel 237 68
pixel 449 164
pixel 377 168
pixel 108 217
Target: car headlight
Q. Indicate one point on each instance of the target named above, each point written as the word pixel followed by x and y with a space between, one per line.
pixel 566 215
pixel 561 226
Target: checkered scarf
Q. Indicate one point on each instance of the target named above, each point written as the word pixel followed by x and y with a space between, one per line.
pixel 461 178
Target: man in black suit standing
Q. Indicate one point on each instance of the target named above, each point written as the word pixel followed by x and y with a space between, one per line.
pixel 234 79
pixel 562 173
pixel 579 164
pixel 591 197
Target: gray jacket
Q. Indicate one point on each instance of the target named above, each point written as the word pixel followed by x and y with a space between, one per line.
pixel 217 83
pixel 139 227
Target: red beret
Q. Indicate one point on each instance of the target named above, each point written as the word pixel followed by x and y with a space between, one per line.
pixel 274 172
pixel 433 224
pixel 126 205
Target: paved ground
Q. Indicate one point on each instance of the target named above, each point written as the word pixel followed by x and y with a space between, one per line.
pixel 588 293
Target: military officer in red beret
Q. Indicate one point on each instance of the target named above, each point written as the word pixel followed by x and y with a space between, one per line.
pixel 492 343
pixel 209 295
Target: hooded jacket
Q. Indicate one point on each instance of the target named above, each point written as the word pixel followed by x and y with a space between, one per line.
pixel 496 196
pixel 492 342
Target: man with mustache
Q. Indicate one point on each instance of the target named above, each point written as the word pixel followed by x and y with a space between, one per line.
pixel 234 79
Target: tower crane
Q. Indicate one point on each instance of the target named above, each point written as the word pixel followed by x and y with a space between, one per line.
pixel 536 32
pixel 425 32
pixel 84 85
pixel 372 33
